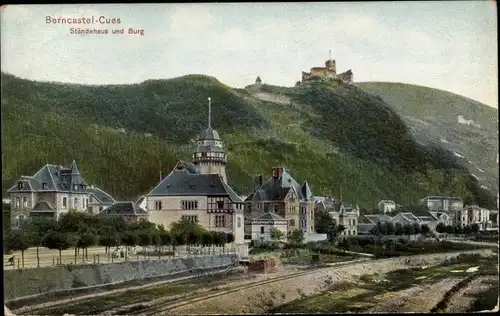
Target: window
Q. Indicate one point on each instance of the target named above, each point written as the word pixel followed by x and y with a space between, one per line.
pixel 18 202
pixel 75 203
pixel 191 218
pixel 65 202
pixel 75 187
pixel 44 186
pixel 189 205
pixel 292 222
pixel 20 220
pixel 261 229
pixel 275 208
pixel 220 205
pixel 25 202
pixel 83 203
pixel 158 205
pixel 239 222
pixel 220 221
pixel 86 202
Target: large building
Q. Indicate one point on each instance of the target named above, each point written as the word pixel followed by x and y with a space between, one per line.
pixel 443 203
pixel 198 191
pixel 284 197
pixel 341 214
pixel 52 191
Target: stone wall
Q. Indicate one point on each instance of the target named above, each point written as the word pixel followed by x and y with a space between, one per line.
pixel 26 282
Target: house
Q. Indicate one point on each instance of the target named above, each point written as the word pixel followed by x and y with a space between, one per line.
pixel 473 214
pixel 443 203
pixel 369 221
pixel 98 200
pixel 282 195
pixel 342 215
pixel 386 206
pixel 51 191
pixel 262 226
pixel 199 191
pixel 129 211
pixel 440 217
pixel 405 219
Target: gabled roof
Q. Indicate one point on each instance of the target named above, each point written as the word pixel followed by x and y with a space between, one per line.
pixel 102 196
pixel 425 218
pixel 139 201
pixel 123 208
pixel 387 202
pixel 273 189
pixel 376 218
pixel 42 206
pixel 184 183
pixel 51 178
pixel 365 228
pixel 436 215
pixel 410 216
pixel 268 218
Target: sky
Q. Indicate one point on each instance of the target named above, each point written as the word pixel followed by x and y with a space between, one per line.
pixel 449 45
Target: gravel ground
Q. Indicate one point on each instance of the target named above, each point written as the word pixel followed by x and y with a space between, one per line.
pixel 462 300
pixel 259 300
pixel 417 299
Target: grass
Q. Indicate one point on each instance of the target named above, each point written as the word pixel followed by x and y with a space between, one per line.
pixel 300 256
pixel 363 294
pixel 486 300
pixel 102 303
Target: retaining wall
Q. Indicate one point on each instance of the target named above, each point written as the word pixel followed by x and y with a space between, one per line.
pixel 25 282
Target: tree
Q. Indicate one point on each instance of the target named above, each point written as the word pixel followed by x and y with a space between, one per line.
pixel 165 237
pixel 408 229
pixel 475 228
pixel 449 229
pixel 276 234
pixel 424 229
pixel 87 238
pixel 296 236
pixel 230 238
pixel 59 241
pixel 18 241
pixel 389 228
pixel 130 238
pixel 145 239
pixel 416 228
pixel 344 244
pixel 441 228
pixel 325 224
pixel 108 240
pixel 398 229
pixel 37 228
pixel 207 238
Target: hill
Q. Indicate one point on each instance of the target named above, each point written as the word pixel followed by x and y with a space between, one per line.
pixel 465 127
pixel 343 140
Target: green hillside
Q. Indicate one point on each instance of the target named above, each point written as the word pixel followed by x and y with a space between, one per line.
pixel 434 115
pixel 344 141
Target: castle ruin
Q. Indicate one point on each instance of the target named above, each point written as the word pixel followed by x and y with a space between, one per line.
pixel 329 72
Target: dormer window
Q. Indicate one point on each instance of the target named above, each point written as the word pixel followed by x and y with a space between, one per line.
pixel 75 187
pixel 44 186
pixel 20 185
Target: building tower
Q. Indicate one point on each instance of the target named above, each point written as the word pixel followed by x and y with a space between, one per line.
pixel 331 65
pixel 210 157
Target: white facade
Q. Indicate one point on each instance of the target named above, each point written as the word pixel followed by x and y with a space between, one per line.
pixel 262 232
pixel 386 206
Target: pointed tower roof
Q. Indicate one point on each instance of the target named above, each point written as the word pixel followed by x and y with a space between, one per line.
pixel 74 168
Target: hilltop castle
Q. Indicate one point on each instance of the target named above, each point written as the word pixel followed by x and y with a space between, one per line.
pixel 328 72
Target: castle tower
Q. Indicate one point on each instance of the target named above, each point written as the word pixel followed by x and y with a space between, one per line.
pixel 331 65
pixel 210 157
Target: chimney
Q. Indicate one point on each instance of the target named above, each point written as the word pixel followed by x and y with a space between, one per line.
pixel 277 172
pixel 257 182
